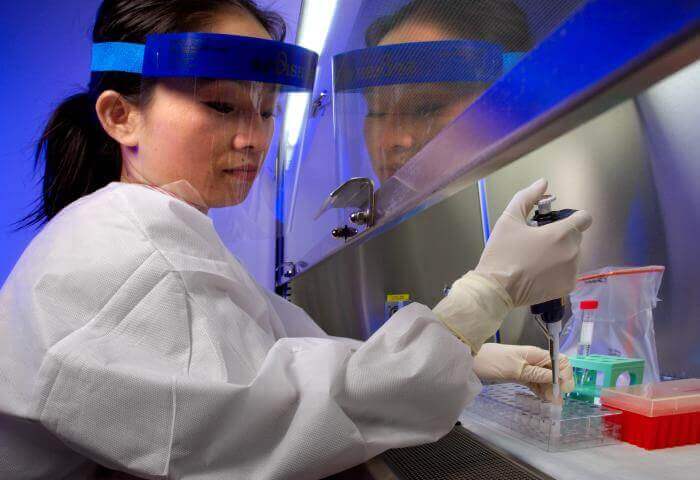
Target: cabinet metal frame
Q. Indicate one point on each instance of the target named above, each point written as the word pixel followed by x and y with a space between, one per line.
pixel 607 52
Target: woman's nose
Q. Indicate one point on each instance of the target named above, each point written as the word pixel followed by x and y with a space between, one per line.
pixel 251 136
pixel 397 136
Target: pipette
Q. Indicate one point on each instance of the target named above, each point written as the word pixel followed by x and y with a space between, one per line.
pixel 551 313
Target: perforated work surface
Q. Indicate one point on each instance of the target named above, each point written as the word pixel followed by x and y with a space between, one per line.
pixel 459 455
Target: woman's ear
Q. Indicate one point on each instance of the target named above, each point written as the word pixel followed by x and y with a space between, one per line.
pixel 119 117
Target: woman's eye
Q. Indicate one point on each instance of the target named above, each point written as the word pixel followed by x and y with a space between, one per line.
pixel 375 114
pixel 226 108
pixel 427 110
pixel 220 107
pixel 269 113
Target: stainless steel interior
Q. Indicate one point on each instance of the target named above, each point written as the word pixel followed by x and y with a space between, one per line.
pixel 635 167
pixel 346 293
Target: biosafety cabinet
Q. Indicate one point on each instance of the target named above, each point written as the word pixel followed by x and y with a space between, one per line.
pixel 422 125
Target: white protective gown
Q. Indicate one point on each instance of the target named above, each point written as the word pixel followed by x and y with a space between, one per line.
pixel 132 338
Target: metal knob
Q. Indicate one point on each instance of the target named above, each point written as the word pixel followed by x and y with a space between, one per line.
pixel 544 205
pixel 288 269
pixel 359 218
pixel 344 232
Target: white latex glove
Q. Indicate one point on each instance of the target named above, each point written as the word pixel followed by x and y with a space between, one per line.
pixel 533 264
pixel 474 309
pixel 527 365
pixel 521 265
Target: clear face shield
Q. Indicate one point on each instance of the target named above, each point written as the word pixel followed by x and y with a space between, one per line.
pixel 206 128
pixel 204 140
pixel 390 101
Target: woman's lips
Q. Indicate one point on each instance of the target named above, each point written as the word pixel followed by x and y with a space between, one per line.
pixel 244 174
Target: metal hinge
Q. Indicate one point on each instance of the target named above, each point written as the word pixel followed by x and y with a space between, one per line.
pixel 320 104
pixel 355 193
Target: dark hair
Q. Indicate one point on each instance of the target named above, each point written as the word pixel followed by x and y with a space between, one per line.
pixel 497 21
pixel 79 157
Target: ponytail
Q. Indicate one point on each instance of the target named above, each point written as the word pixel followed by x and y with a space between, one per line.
pixel 79 158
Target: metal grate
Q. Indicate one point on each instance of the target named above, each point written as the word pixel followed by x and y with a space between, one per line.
pixel 459 455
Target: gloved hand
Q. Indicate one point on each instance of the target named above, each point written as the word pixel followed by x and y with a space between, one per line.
pixel 527 365
pixel 533 264
pixel 521 265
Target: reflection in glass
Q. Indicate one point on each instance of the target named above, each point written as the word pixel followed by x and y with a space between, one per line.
pixel 386 123
pixel 401 119
pixel 446 53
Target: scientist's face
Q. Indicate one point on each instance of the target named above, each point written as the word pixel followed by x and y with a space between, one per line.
pixel 402 119
pixel 210 135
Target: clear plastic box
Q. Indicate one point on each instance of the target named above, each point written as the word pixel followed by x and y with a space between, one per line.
pixel 515 410
pixel 656 399
pixel 658 415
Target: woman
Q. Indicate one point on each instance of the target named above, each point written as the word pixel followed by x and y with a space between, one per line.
pixel 133 340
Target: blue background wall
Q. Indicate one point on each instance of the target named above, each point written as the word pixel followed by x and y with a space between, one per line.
pixel 46 57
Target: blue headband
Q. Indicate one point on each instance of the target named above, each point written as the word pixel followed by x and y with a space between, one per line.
pixel 210 55
pixel 422 62
pixel 117 56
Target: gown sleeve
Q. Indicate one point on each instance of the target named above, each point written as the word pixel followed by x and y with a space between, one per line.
pixel 151 386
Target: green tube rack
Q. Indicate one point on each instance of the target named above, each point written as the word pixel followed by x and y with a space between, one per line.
pixel 587 369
